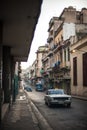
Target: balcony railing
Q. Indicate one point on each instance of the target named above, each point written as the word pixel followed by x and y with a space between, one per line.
pixel 57 64
pixel 50 53
pixel 50 38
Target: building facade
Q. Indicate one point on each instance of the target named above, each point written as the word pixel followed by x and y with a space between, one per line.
pixel 58 65
pixel 71 23
pixel 39 67
pixel 79 67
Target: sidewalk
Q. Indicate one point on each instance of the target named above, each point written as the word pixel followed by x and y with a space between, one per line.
pixel 20 115
pixel 80 97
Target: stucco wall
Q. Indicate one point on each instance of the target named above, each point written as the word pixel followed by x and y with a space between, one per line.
pixel 68 30
pixel 79 89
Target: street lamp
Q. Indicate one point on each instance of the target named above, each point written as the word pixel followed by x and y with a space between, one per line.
pixel 75 50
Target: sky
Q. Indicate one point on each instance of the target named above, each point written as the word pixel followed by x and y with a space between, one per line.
pixel 49 9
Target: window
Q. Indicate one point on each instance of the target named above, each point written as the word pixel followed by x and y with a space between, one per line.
pixel 65 54
pixel 81 18
pixel 78 16
pixel 68 54
pixel 61 38
pixel 75 71
pixel 85 69
pixel 61 56
pixel 51 32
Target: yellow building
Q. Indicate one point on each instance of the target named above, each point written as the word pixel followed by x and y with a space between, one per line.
pixel 79 67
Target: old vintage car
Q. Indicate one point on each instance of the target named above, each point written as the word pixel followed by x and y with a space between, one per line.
pixel 39 87
pixel 57 96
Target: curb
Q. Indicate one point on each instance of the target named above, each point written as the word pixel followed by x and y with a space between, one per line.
pixel 5 110
pixel 42 122
pixel 35 121
pixel 78 97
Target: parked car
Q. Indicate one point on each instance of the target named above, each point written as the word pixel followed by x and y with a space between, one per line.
pixel 39 87
pixel 57 96
pixel 28 88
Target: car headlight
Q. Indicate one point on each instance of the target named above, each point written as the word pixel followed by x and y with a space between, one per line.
pixel 69 98
pixel 50 99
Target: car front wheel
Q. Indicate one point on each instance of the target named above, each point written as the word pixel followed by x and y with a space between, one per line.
pixel 45 102
pixel 69 105
pixel 49 104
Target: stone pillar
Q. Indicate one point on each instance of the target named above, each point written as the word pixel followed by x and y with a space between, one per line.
pixel 12 79
pixel 6 74
pixel 0 80
pixel 0 70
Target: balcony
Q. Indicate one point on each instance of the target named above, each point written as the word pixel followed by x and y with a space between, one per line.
pixel 54 47
pixel 50 38
pixel 56 66
pixel 50 53
pixel 42 71
pixel 49 69
pixel 65 67
pixel 45 59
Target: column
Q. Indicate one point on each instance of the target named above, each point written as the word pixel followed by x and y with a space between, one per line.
pixel 6 74
pixel 12 79
pixel 0 69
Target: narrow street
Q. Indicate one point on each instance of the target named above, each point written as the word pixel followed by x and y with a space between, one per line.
pixel 61 118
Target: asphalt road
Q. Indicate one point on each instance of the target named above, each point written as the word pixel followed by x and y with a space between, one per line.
pixel 58 117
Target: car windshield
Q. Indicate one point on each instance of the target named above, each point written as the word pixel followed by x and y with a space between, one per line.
pixel 55 92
